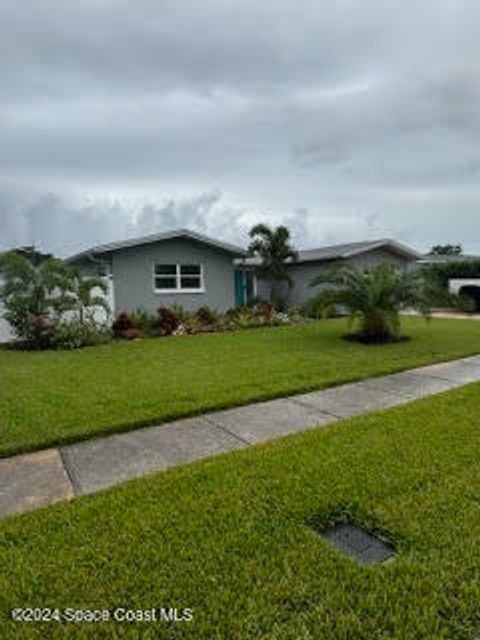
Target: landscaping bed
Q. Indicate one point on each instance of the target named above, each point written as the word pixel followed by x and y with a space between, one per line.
pixel 232 539
pixel 49 398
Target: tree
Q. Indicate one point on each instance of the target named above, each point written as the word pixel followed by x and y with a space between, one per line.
pixel 32 294
pixel 274 249
pixel 82 290
pixel 36 298
pixel 446 250
pixel 34 256
pixel 373 298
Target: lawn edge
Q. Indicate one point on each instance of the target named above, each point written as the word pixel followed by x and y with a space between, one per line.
pixel 165 420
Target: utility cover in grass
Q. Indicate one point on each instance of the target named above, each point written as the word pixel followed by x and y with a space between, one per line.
pixel 356 542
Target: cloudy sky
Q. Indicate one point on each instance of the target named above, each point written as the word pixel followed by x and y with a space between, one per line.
pixel 345 120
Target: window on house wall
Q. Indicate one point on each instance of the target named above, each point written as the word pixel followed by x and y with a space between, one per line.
pixel 178 277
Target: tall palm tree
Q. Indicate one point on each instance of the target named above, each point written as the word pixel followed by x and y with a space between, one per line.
pixel 274 249
pixel 373 298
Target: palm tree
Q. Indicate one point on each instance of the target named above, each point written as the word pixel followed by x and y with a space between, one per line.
pixel 373 298
pixel 31 293
pixel 274 249
pixel 83 291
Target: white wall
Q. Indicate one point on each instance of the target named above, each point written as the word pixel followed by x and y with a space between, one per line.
pixel 100 315
pixel 455 284
pixel 5 333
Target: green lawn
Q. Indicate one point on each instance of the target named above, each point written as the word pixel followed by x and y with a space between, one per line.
pixel 229 538
pixel 59 397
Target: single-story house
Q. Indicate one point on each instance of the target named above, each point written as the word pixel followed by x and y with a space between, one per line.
pixel 177 267
pixel 187 268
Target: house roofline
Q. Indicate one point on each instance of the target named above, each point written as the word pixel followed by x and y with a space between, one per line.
pixel 157 237
pixel 396 247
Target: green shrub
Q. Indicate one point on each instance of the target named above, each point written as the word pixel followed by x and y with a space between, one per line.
pixel 193 325
pixel 296 315
pixel 442 273
pixel 145 322
pixel 279 301
pixel 74 334
pixel 316 308
pixel 437 295
pixel 466 303
pixel 207 316
pixel 180 312
pixel 245 318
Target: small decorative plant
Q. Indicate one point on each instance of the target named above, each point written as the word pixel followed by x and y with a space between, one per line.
pixel 167 322
pixel 124 327
pixel 206 316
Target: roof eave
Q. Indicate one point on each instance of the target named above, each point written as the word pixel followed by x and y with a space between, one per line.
pixel 397 247
pixel 181 233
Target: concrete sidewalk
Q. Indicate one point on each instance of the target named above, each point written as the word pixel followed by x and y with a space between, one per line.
pixel 34 480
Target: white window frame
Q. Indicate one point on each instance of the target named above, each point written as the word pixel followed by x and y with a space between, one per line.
pixel 178 276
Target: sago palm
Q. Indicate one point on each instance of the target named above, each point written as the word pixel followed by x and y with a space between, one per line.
pixel 373 298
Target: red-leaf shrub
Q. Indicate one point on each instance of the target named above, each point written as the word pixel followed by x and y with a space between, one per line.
pixel 40 331
pixel 266 310
pixel 167 322
pixel 124 327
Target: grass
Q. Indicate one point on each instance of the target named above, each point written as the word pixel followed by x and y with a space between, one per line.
pixel 60 397
pixel 229 538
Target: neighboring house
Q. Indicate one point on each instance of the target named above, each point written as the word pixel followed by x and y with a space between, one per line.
pixel 178 267
pixel 463 286
pixel 311 263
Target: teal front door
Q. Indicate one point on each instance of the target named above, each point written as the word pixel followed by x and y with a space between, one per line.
pixel 244 287
pixel 240 288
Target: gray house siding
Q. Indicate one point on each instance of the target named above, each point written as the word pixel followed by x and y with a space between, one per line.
pixel 133 276
pixel 372 258
pixel 303 274
pixel 128 268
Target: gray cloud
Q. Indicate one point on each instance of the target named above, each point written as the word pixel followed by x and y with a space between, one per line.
pixel 54 223
pixel 118 119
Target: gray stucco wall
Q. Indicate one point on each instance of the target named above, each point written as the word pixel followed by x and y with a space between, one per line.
pixel 303 274
pixel 133 280
pixel 371 258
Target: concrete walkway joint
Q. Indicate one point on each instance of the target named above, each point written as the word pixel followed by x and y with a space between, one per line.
pixel 35 480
